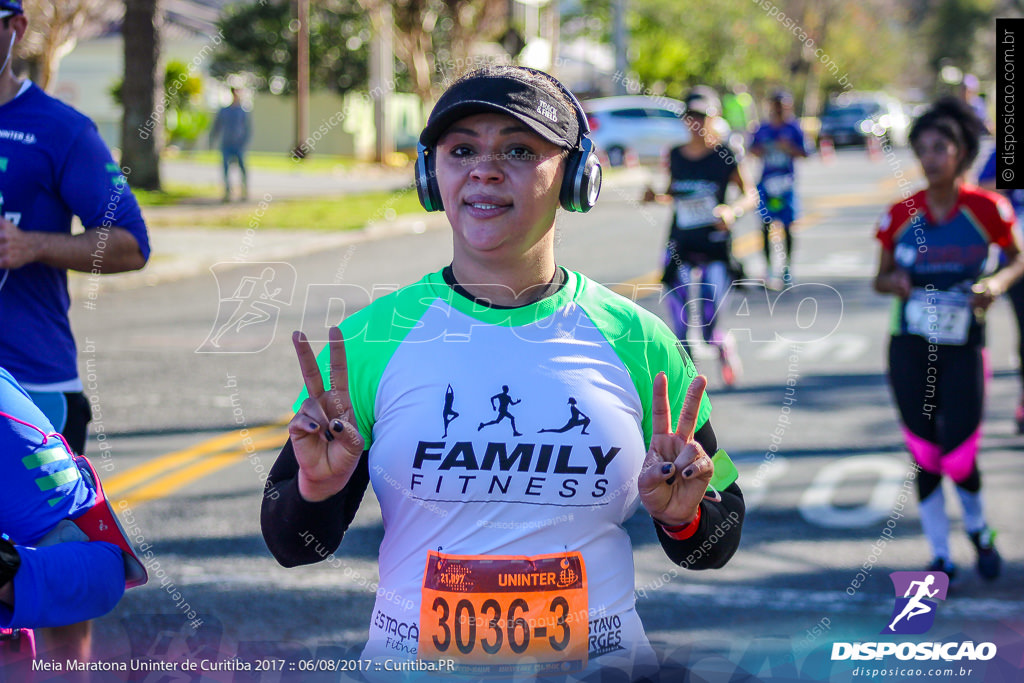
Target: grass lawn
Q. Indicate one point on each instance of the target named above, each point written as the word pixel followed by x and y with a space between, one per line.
pixel 349 212
pixel 316 163
pixel 175 194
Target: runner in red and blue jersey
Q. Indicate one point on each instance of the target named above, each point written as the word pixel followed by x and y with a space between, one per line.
pixel 935 249
pixel 987 180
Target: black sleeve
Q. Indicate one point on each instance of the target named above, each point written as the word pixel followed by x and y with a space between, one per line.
pixel 721 521
pixel 300 532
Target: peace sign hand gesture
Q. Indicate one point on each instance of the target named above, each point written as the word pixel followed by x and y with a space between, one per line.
pixel 676 471
pixel 327 445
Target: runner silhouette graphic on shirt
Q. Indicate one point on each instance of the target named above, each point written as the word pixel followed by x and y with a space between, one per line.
pixel 576 419
pixel 504 401
pixel 449 414
pixel 915 606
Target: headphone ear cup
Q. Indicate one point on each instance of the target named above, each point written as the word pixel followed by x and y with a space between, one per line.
pixel 427 189
pixel 581 183
pixel 567 195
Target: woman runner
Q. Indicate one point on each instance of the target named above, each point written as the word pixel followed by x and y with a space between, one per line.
pixel 504 547
pixel 935 246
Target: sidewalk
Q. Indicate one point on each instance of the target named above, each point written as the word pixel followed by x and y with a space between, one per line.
pixel 297 183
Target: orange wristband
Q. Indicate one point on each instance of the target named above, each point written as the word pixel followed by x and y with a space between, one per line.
pixel 681 532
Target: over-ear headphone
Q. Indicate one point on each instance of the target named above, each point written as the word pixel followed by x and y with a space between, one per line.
pixel 581 183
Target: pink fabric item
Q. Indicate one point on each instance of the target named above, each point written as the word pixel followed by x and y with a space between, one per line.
pixel 959 462
pixel 926 454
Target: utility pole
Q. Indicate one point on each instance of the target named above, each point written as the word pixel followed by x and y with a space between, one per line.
pixel 619 38
pixel 302 78
pixel 382 81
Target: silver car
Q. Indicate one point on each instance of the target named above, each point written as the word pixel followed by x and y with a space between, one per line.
pixel 646 126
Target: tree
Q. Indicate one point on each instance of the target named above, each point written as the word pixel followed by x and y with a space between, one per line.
pixel 184 121
pixel 951 30
pixel 435 37
pixel 806 46
pixel 141 124
pixel 259 39
pixel 54 29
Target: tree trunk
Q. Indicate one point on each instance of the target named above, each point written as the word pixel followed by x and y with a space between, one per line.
pixel 142 123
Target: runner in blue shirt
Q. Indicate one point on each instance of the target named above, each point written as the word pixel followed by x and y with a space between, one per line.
pixel 54 570
pixel 53 166
pixel 778 142
pixel 987 180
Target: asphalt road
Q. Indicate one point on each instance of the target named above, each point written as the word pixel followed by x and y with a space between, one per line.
pixel 171 396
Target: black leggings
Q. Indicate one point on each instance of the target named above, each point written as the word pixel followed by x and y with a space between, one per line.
pixel 76 426
pixel 766 233
pixel 1016 296
pixel 940 393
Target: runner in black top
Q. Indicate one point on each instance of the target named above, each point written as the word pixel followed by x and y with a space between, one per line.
pixel 700 237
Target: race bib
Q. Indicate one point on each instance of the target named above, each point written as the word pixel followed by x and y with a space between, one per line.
pixel 695 212
pixel 940 317
pixel 501 615
pixel 777 185
pixel 776 159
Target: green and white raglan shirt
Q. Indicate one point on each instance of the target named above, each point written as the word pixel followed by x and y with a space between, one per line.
pixel 507 432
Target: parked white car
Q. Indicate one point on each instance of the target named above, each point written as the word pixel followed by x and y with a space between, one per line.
pixel 646 126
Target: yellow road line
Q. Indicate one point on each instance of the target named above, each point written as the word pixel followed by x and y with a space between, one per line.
pixel 180 478
pixel 121 483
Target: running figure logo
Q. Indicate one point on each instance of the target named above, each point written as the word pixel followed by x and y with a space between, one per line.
pixel 247 318
pixel 576 419
pixel 503 401
pixel 449 413
pixel 914 612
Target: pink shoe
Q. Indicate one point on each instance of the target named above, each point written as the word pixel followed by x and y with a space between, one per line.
pixel 732 367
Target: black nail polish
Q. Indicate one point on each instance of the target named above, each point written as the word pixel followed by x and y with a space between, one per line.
pixel 313 425
pixel 328 435
pixel 688 472
pixel 338 426
pixel 666 468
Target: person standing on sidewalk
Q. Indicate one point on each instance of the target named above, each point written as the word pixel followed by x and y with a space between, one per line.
pixel 53 165
pixel 234 129
pixel 777 143
pixel 934 253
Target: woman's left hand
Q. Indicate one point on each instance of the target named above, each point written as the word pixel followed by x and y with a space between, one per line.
pixel 676 471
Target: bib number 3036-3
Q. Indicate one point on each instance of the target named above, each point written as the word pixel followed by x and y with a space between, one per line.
pixel 496 614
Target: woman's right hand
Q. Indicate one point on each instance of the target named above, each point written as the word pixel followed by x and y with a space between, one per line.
pixel 899 283
pixel 323 434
